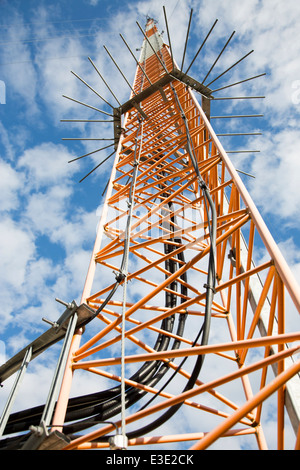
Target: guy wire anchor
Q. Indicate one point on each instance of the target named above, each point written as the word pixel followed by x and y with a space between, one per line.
pixel 118 442
pixel 120 276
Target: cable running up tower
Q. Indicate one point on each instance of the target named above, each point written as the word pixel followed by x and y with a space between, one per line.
pixel 182 325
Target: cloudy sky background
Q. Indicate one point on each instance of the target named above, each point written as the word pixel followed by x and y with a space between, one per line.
pixel 47 218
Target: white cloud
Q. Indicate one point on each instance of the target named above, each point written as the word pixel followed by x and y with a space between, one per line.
pixel 5 138
pixel 276 185
pixel 45 164
pixel 10 182
pixel 16 250
pixel 42 185
pixel 15 50
pixel 50 213
pixel 46 211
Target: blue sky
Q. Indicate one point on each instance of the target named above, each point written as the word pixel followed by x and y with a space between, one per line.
pixel 48 219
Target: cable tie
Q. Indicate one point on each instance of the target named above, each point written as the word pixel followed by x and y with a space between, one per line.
pixel 120 276
pixel 207 286
pixel 203 185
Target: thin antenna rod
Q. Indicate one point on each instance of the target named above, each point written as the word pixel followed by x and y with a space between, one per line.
pixel 90 153
pixel 244 173
pixel 104 191
pixel 87 120
pixel 239 134
pixel 87 105
pixel 104 80
pixel 84 138
pixel 227 70
pixel 200 48
pixel 239 98
pixel 91 88
pixel 232 116
pixel 169 38
pixel 137 62
pixel 243 151
pixel 218 57
pixel 97 166
pixel 119 70
pixel 163 65
pixel 238 83
pixel 186 39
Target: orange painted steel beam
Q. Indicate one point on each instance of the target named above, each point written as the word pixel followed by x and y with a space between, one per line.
pixel 212 348
pixel 277 383
pixel 167 439
pixel 235 417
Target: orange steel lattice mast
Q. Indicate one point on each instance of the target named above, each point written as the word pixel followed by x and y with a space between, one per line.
pixel 185 273
pixel 186 326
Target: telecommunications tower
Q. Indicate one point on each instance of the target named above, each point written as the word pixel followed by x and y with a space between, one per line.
pixel 184 321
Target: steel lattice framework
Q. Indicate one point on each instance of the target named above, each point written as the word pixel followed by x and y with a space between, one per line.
pixel 184 322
